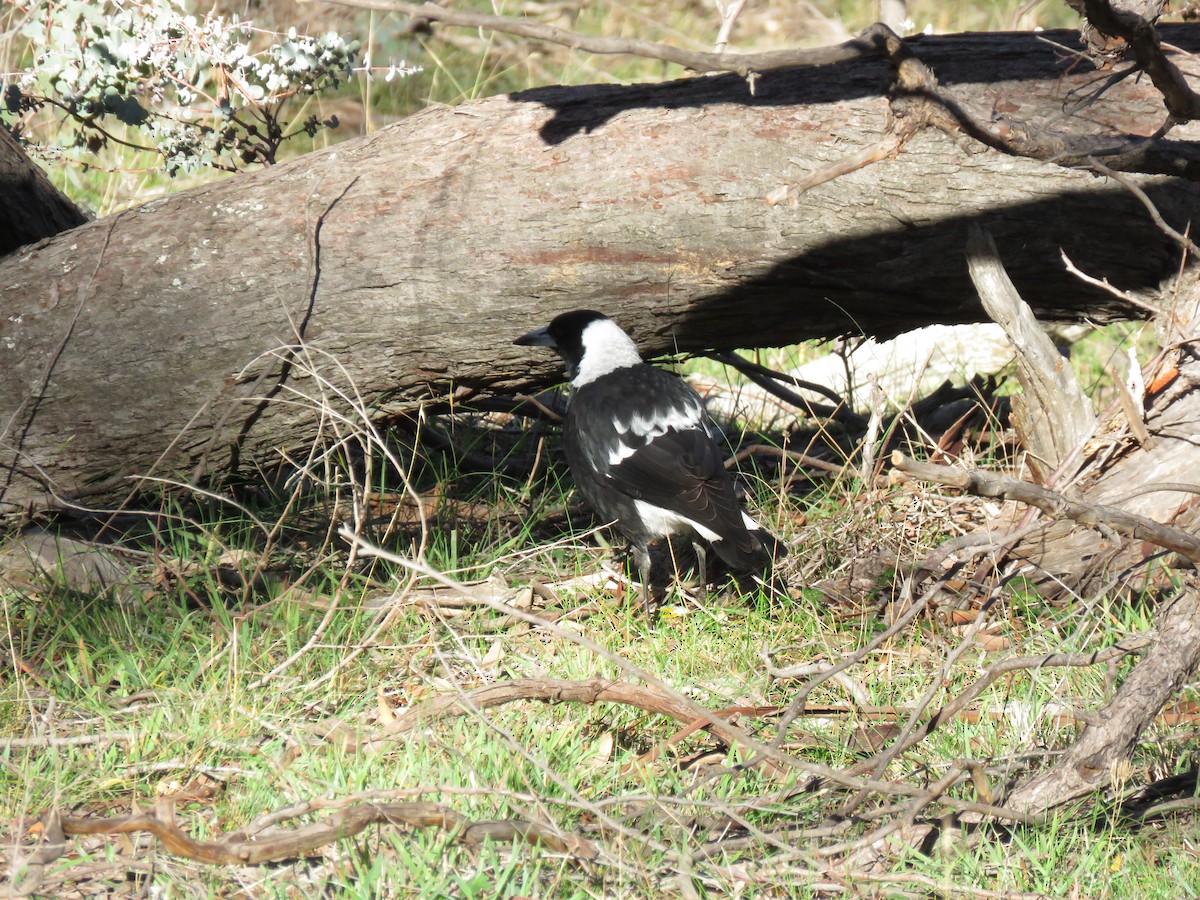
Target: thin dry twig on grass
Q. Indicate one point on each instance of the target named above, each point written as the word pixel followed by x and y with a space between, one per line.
pixel 797 706
pixel 236 848
pixel 1109 739
pixel 344 413
pixel 691 728
pixel 792 456
pixel 996 670
pixel 547 690
pixel 723 729
pixel 69 740
pixel 907 737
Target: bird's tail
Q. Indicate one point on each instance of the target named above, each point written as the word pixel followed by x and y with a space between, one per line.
pixel 755 550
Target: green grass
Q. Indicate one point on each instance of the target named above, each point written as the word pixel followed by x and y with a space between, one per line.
pixel 245 699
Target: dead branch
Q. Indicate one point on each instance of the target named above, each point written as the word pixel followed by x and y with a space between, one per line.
pixel 732 734
pixel 768 380
pixel 1003 667
pixel 1052 503
pixel 918 100
pixel 800 701
pixel 918 97
pixel 1110 736
pixel 1181 101
pixel 886 148
pixel 869 43
pixel 1052 415
pixel 53 845
pixel 547 690
pixel 236 848
pixel 1188 245
pixel 1109 741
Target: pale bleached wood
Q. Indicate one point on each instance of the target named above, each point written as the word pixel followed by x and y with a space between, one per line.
pixel 1052 415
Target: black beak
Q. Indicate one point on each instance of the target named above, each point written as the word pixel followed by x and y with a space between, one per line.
pixel 539 338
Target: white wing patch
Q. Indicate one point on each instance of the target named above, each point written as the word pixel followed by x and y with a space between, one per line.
pixel 621 453
pixel 644 429
pixel 650 427
pixel 661 521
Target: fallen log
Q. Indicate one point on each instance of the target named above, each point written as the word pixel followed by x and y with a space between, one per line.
pixel 200 334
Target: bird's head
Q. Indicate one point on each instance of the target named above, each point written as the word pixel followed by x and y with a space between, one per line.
pixel 590 343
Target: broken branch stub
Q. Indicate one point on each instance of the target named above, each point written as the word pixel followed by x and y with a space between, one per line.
pixel 1052 416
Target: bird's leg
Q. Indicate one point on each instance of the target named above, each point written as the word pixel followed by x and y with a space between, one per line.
pixel 701 567
pixel 641 555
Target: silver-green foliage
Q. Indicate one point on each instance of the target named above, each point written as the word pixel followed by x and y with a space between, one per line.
pixel 210 91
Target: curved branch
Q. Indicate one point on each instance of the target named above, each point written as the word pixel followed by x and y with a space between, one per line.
pixel 236 848
pixel 548 690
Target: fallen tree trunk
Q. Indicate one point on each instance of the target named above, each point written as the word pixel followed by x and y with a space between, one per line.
pixel 31 208
pixel 151 342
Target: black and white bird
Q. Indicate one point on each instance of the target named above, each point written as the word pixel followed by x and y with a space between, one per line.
pixel 642 449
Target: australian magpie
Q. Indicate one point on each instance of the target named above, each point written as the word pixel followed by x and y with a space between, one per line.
pixel 643 451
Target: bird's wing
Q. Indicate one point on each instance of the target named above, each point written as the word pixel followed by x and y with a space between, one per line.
pixel 655 445
pixel 681 470
pixel 645 435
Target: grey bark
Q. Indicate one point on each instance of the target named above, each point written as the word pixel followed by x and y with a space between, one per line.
pixel 151 342
pixel 1094 761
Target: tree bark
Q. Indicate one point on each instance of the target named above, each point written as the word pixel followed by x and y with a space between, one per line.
pixel 1094 760
pixel 151 342
pixel 31 208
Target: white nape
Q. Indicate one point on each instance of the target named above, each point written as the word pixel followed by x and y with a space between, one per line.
pixel 605 348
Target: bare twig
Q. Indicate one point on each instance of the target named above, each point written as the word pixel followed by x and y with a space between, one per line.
pixel 729 15
pixel 722 728
pixel 1104 285
pixel 794 456
pixel 869 43
pixel 1110 739
pixel 74 740
pixel 235 848
pixel 548 690
pixel 1053 503
pixel 886 148
pixel 1181 239
pixel 769 380
pixel 951 710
